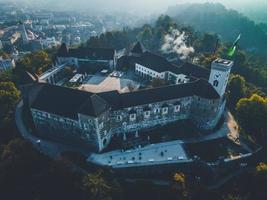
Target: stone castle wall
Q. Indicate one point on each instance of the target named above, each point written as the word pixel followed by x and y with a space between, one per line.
pixel 97 132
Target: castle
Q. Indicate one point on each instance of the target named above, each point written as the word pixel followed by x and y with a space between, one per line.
pixel 94 118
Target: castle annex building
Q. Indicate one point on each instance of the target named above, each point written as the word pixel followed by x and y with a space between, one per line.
pixel 95 56
pixel 62 113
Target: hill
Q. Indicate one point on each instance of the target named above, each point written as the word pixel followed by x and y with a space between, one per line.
pixel 215 18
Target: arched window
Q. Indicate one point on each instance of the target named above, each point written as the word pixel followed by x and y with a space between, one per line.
pixel 215 83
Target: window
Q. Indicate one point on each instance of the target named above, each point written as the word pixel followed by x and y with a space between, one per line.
pixel 85 126
pixel 164 110
pixel 177 108
pixel 105 132
pixel 132 117
pixel 147 114
pixel 105 142
pixel 119 117
pixel 101 125
pixel 216 83
pixel 157 110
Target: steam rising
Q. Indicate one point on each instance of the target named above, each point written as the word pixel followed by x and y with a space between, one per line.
pixel 175 42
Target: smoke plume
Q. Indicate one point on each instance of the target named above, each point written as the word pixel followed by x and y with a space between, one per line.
pixel 175 42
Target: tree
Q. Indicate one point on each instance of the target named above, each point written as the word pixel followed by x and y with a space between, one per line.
pixel 6 76
pixel 37 62
pixel 16 149
pixel 9 96
pixel 157 82
pixel 165 22
pixel 96 185
pixel 206 59
pixel 237 89
pixel 181 187
pixel 261 169
pixel 207 43
pixel 68 72
pixel 252 116
pixel 146 35
pixel 26 174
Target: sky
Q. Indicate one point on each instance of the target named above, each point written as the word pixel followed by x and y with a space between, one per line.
pixel 140 7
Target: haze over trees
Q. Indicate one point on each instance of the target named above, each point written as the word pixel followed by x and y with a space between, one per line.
pixel 215 18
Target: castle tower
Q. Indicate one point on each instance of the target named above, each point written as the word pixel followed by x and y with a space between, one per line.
pixel 219 74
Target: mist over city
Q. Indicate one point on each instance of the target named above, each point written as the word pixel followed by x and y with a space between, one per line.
pixel 139 7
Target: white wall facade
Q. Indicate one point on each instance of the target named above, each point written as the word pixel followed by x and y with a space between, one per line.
pixel 146 72
pixel 219 75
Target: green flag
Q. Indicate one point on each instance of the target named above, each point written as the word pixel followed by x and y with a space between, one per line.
pixel 232 50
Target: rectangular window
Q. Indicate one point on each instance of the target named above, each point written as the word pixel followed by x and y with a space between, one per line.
pixel 157 110
pixel 177 108
pixel 164 110
pixel 85 126
pixel 132 117
pixel 105 132
pixel 119 118
pixel 147 114
pixel 101 125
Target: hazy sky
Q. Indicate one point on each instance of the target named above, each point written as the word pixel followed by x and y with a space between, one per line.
pixel 137 6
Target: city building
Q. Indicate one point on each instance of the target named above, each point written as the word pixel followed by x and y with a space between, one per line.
pixel 6 64
pixel 10 37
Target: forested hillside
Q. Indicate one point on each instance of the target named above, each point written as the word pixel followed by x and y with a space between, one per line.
pixel 226 23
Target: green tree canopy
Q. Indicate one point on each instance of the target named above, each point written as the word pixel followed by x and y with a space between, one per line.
pixel 252 116
pixel 37 62
pixel 207 43
pixel 237 89
pixel 9 96
pixel 96 185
